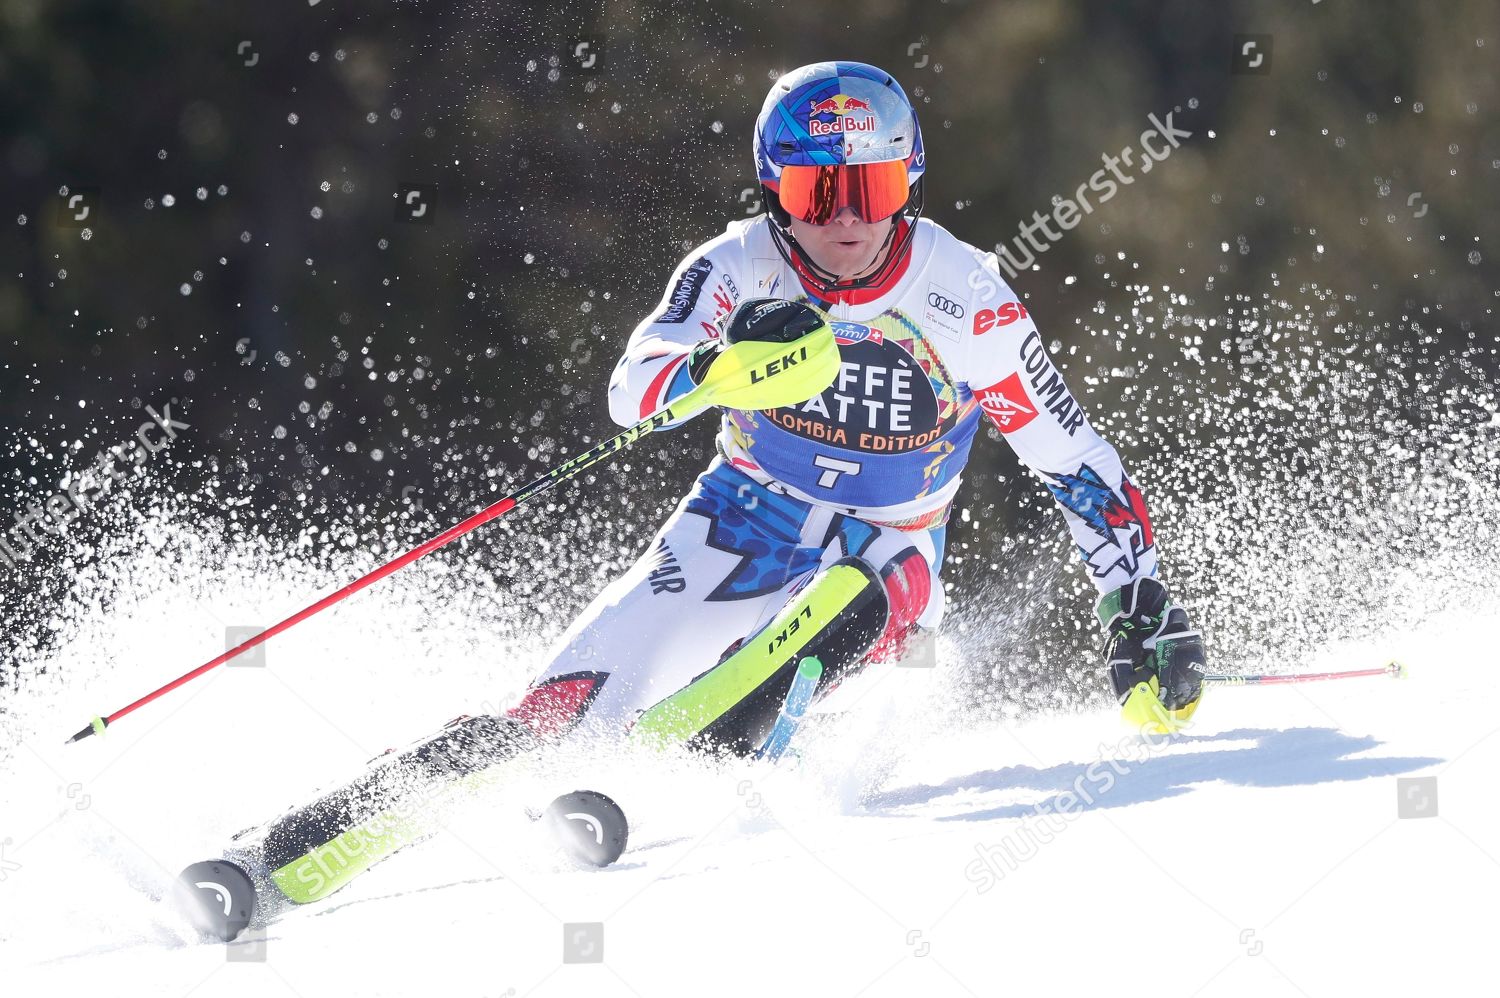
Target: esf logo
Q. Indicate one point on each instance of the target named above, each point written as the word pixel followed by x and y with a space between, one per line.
pixel 775 367
pixel 1007 404
pixel 943 304
pixel 986 318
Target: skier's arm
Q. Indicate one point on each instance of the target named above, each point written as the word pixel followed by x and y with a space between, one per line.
pixel 654 369
pixel 1016 384
pixel 1154 656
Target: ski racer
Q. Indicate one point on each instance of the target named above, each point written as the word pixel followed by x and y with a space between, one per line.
pixel 829 516
pixel 818 530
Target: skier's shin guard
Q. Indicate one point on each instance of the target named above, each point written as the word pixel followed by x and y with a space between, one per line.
pixel 731 707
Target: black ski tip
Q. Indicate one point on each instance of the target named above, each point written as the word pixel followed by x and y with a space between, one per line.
pixel 590 827
pixel 217 897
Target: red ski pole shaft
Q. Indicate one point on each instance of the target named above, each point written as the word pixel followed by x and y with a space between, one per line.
pixel 1393 669
pixel 683 406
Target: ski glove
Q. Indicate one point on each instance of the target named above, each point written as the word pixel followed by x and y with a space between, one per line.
pixel 776 320
pixel 1154 656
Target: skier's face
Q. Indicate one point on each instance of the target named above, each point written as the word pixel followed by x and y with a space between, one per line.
pixel 845 246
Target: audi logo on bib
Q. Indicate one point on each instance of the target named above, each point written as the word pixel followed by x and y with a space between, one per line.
pixel 942 304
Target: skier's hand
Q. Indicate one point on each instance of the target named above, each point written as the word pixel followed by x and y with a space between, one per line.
pixel 1154 656
pixel 775 320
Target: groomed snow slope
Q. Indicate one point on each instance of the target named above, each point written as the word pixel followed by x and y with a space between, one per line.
pixel 1262 853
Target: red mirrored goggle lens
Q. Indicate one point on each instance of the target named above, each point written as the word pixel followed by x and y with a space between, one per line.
pixel 817 193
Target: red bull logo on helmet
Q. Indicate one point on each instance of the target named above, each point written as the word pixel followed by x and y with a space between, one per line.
pixel 850 114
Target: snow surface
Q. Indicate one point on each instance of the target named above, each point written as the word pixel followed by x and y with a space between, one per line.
pixel 1259 854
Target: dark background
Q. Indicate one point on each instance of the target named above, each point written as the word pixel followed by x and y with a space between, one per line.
pixel 340 366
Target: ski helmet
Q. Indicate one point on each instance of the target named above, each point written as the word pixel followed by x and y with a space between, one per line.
pixel 837 134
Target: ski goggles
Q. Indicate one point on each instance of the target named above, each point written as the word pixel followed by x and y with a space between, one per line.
pixel 816 194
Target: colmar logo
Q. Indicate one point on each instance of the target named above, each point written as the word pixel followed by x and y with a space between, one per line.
pixel 988 318
pixel 843 108
pixel 667 576
pixel 1048 385
pixel 1007 404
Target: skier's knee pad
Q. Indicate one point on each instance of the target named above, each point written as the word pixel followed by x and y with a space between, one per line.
pixel 838 618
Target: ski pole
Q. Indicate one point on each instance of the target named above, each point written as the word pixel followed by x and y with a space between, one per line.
pixel 804 683
pixel 1393 669
pixel 542 484
pixel 751 374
